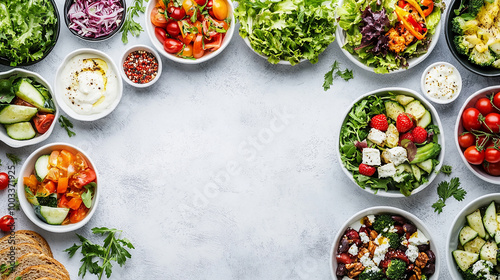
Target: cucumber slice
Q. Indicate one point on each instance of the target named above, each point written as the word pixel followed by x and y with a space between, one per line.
pixel 489 252
pixel 426 165
pixel 26 91
pixel 10 114
pixel 53 215
pixel 20 131
pixel 467 234
pixel 42 167
pixel 416 172
pixel 464 259
pixel 416 109
pixel 404 99
pixel 489 219
pixel 425 120
pixel 475 222
pixel 393 109
pixel 475 245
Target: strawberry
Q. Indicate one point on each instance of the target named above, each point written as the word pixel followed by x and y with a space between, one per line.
pixel 404 122
pixel 379 122
pixel 408 136
pixel 419 134
pixel 366 170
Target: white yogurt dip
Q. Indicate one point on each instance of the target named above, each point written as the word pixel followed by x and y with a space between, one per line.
pixel 442 82
pixel 88 83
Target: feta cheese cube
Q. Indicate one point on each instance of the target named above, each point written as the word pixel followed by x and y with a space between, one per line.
pixel 412 253
pixel 364 237
pixel 366 261
pixel 376 136
pixel 418 238
pixel 371 156
pixel 380 252
pixel 353 250
pixel 386 170
pixel 396 155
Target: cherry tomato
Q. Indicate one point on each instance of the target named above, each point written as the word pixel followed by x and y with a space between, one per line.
pixel 189 7
pixel 496 100
pixel 483 142
pixel 176 13
pixel 161 34
pixel 77 215
pixel 492 123
pixel 173 28
pixel 491 154
pixel 492 168
pixel 466 140
pixel 172 45
pixel 82 178
pixel 4 180
pixel 220 9
pixel 200 2
pixel 6 223
pixel 209 7
pixel 198 50
pixel 484 106
pixel 188 51
pixel 473 156
pixel 43 122
pixel 158 17
pixel 470 119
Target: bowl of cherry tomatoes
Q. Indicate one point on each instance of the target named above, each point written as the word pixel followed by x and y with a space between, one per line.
pixel 478 134
pixel 192 33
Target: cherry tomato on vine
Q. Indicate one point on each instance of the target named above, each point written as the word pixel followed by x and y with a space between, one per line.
pixel 158 17
pixel 470 119
pixel 492 123
pixel 4 180
pixel 496 100
pixel 492 168
pixel 481 141
pixel 176 13
pixel 484 106
pixel 172 45
pixel 466 140
pixel 160 34
pixel 173 28
pixel 473 156
pixel 6 223
pixel 491 154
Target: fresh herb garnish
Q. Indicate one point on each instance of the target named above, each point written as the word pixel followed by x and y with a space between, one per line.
pixel 346 74
pixel 446 169
pixel 446 190
pixel 7 269
pixel 66 124
pixel 87 196
pixel 130 25
pixel 15 159
pixel 114 249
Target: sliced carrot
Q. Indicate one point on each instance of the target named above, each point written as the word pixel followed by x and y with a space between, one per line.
pixel 62 185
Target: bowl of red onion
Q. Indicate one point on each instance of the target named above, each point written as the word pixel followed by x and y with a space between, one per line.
pixel 94 20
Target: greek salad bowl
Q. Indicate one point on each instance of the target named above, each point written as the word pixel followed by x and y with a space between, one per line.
pixel 410 36
pixel 390 142
pixel 473 238
pixel 486 168
pixel 30 117
pixel 58 188
pixel 384 243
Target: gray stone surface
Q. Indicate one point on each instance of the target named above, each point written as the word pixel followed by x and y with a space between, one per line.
pixel 228 170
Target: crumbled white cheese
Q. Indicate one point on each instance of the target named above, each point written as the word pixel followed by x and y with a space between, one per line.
pixel 412 253
pixel 418 238
pixel 371 156
pixel 371 218
pixel 396 155
pixel 392 229
pixel 376 136
pixel 386 170
pixel 364 237
pixel 366 261
pixel 405 242
pixel 482 267
pixel 380 252
pixel 353 250
pixel 373 269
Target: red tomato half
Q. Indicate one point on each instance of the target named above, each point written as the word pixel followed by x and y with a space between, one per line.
pixel 158 17
pixel 492 123
pixel 172 45
pixel 43 122
pixel 466 140
pixel 484 106
pixel 470 119
pixel 82 178
pixel 473 156
pixel 160 34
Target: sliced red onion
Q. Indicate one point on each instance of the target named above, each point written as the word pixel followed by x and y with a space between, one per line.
pixel 95 18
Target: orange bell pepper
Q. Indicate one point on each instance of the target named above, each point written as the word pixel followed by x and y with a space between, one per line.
pixel 62 185
pixel 402 17
pixel 31 182
pixel 74 203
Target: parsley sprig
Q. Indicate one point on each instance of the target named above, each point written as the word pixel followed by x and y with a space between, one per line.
pixel 446 169
pixel 114 249
pixel 66 124
pixel 446 190
pixel 345 74
pixel 14 158
pixel 130 25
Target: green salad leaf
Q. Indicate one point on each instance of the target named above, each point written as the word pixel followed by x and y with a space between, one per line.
pixel 288 30
pixel 27 29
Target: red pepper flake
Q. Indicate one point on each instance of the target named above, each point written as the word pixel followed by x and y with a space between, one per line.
pixel 141 67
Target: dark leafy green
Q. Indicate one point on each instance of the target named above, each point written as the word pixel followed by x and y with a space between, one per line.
pixel 14 158
pixel 130 25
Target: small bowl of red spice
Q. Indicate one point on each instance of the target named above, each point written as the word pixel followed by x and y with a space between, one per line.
pixel 140 66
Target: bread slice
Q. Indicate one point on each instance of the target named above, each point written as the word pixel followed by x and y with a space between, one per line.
pixel 41 241
pixel 7 255
pixel 6 241
pixel 38 271
pixel 31 259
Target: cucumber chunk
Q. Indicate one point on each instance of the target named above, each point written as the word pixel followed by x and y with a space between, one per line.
pixel 393 109
pixel 53 215
pixel 425 120
pixel 416 109
pixel 475 222
pixel 426 165
pixel 465 259
pixel 416 172
pixel 475 245
pixel 27 92
pixel 489 219
pixel 467 234
pixel 404 99
pixel 42 167
pixel 489 252
pixel 10 114
pixel 20 131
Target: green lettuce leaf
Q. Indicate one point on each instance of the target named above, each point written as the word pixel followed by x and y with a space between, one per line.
pixel 433 20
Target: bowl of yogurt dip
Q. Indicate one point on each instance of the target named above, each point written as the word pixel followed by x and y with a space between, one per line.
pixel 441 83
pixel 88 85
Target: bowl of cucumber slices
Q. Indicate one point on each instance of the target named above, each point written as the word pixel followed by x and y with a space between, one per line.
pixel 474 240
pixel 28 111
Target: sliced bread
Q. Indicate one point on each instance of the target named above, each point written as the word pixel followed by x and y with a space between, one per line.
pixel 6 241
pixel 38 271
pixel 8 255
pixel 41 241
pixel 31 259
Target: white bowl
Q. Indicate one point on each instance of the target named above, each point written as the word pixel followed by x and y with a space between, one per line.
pixel 150 28
pixel 140 48
pixel 27 170
pixel 356 218
pixel 41 137
pixel 411 62
pixel 59 91
pixel 440 101
pixel 435 120
pixel 283 62
pixel 458 223
pixel 459 129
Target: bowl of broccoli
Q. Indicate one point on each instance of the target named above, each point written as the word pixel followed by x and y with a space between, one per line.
pixel 472 31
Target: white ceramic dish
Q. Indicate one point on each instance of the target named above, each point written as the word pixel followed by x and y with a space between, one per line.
pixel 27 170
pixel 356 218
pixel 458 223
pixel 140 48
pixel 59 91
pixel 435 120
pixel 283 62
pixel 39 138
pixel 150 28
pixel 459 129
pixel 412 62
pixel 440 101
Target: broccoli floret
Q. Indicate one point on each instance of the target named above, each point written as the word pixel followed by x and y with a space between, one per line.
pixel 462 45
pixel 457 25
pixel 468 275
pixel 482 59
pixel 396 269
pixel 483 270
pixel 475 6
pixel 382 222
pixel 394 240
pixel 371 274
pixel 496 64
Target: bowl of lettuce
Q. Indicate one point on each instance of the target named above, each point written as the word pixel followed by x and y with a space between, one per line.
pixel 287 31
pixel 388 36
pixel 28 31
